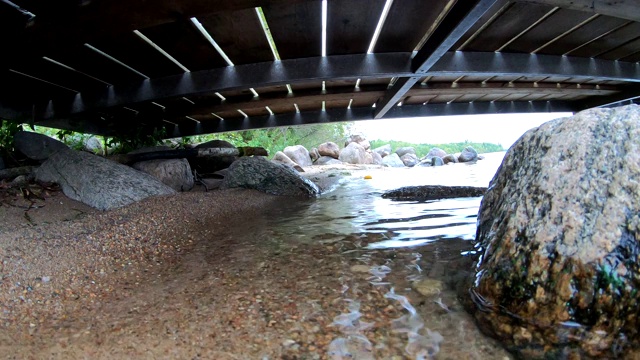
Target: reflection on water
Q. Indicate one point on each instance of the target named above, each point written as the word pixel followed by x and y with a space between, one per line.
pixel 407 252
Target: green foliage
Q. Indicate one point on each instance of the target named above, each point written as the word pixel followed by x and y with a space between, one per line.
pixel 276 139
pixel 423 149
pixel 7 131
pixel 135 140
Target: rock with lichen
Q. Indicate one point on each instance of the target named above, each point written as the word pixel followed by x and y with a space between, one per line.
pixel 558 233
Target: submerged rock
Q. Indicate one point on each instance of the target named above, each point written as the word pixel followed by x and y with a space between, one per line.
pixel 558 233
pixel 433 192
pixel 263 175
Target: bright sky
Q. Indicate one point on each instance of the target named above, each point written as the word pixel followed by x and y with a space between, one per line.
pixel 502 129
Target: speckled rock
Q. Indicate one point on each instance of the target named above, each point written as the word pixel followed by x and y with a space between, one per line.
pixel 299 154
pixel 435 152
pixel 358 139
pixel 263 175
pixel 209 165
pixel 383 150
pixel 558 233
pixel 437 161
pixel 428 287
pixel 175 173
pixel 468 154
pixel 450 158
pixel 329 149
pixel 392 160
pixel 433 192
pixel 98 182
pixel 376 158
pixel 409 160
pixel 354 153
pixel 405 150
pixel 314 154
pixel 36 146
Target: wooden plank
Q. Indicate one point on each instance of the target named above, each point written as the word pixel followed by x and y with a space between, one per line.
pixel 60 75
pixel 608 42
pixel 88 61
pixel 508 25
pixel 487 19
pixel 240 35
pixel 555 25
pixel 622 51
pixel 406 24
pixel 186 44
pixel 351 24
pixel 632 58
pixel 133 51
pixel 624 9
pixel 296 28
pixel 582 35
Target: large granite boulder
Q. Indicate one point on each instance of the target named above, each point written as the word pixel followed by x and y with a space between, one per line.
pixel 36 146
pixel 376 159
pixel 205 166
pixel 469 154
pixel 93 145
pixel 314 154
pixel 354 153
pixel 358 139
pixel 175 173
pixel 392 160
pixel 559 238
pixel 329 149
pixel 98 182
pixel 435 152
pixel 405 150
pixel 263 175
pixel 409 159
pixel 383 150
pixel 299 154
pixel 284 159
pixel 450 158
pixel 327 160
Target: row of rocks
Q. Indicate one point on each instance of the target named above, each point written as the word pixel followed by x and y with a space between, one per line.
pixel 105 184
pixel 358 150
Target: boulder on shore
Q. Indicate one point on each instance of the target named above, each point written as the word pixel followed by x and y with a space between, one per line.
pixel 405 150
pixel 435 152
pixel 450 158
pixel 354 153
pixel 175 173
pixel 299 154
pixel 409 159
pixel 392 160
pixel 327 160
pixel 36 146
pixel 329 149
pixel 358 139
pixel 206 166
pixel 559 238
pixel 98 182
pixel 263 175
pixel 469 154
pixel 383 150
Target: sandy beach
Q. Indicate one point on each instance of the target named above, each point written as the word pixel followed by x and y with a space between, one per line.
pixel 184 276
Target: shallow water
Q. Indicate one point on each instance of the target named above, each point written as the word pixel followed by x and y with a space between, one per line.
pixel 411 253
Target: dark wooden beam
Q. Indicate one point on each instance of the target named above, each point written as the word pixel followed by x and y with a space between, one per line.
pixel 214 125
pixel 624 9
pixel 627 95
pixel 458 21
pixel 373 92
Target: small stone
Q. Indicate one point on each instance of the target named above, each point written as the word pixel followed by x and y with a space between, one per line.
pixel 428 287
pixel 288 342
pixel 46 279
pixel 360 269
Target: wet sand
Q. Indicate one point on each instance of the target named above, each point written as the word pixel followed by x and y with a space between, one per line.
pixel 200 275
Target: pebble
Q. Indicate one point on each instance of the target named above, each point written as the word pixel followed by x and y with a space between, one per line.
pixel 428 287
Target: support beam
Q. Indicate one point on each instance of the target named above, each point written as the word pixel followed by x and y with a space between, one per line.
pixel 624 9
pixel 373 92
pixel 338 67
pixel 365 113
pixel 457 22
pixel 626 96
